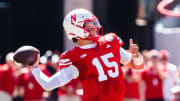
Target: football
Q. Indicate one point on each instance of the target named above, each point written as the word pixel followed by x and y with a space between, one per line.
pixel 26 55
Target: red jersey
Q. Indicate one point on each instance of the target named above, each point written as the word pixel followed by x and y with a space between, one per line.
pixel 153 85
pixel 99 68
pixel 32 89
pixel 7 79
pixel 132 87
pixel 71 87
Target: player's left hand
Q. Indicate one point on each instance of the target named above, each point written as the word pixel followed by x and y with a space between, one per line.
pixel 133 49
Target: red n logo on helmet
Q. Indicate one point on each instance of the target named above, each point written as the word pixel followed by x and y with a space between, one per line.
pixel 73 19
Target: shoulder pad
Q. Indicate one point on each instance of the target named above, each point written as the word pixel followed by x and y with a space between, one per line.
pixel 110 36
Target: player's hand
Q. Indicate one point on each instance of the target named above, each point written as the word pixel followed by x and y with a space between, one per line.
pixel 133 49
pixel 36 63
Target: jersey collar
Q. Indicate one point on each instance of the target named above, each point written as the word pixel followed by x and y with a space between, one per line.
pixel 88 46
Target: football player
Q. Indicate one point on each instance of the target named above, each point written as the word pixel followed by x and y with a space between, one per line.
pixel 95 62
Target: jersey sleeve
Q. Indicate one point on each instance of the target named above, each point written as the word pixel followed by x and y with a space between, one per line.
pixel 125 56
pixel 116 44
pixel 119 41
pixel 116 39
pixel 65 60
pixel 69 59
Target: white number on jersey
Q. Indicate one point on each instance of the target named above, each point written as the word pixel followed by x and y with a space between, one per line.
pixel 113 64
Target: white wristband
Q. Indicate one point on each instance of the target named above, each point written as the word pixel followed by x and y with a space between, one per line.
pixel 139 60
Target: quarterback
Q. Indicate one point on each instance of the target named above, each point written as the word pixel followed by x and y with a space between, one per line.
pixel 95 62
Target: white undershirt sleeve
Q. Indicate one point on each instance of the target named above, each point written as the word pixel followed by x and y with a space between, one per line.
pixel 59 79
pixel 125 56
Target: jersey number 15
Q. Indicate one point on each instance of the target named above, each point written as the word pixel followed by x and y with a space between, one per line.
pixel 112 64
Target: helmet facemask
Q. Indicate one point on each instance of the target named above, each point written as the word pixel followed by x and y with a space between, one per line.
pixel 94 28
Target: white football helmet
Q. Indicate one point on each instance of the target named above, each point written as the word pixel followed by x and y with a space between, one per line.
pixel 75 24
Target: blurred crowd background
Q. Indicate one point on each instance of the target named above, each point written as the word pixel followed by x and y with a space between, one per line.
pixel 39 23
